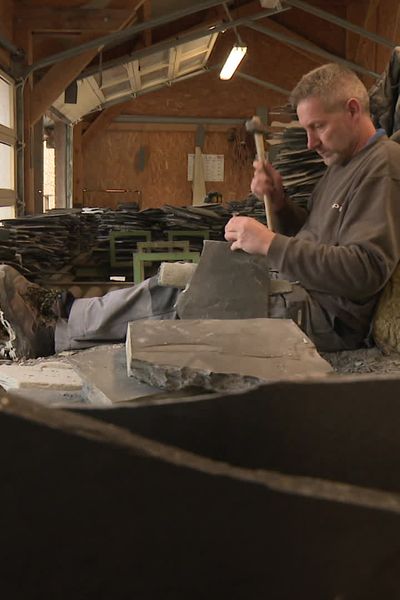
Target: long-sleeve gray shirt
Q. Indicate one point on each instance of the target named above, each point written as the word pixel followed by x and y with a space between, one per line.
pixel 348 245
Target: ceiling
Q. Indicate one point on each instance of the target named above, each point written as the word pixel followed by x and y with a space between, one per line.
pixel 132 78
pixel 120 49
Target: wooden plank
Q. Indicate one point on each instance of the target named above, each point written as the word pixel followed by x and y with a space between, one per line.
pixel 23 39
pixel 164 179
pixel 361 50
pixel 51 19
pixel 145 14
pixel 198 184
pixel 37 167
pixel 58 3
pixel 60 164
pixel 6 9
pixel 60 75
pixel 274 26
pixel 56 80
pixel 389 23
pixel 78 182
pixel 101 123
pixel 115 126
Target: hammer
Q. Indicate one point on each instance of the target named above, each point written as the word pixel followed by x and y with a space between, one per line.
pixel 254 125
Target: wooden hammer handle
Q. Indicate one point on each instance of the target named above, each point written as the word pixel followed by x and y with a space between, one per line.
pixel 259 140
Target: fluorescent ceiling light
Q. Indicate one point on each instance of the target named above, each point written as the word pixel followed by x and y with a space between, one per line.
pixel 232 62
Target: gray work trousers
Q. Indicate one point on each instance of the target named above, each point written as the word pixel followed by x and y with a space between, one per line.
pixel 104 320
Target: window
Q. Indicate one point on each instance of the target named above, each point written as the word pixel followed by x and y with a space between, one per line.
pixel 7 141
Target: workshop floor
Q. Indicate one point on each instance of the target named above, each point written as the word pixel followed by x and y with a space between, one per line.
pixel 368 360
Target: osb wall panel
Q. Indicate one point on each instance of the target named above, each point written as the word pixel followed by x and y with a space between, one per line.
pixel 109 160
pixel 324 34
pixel 114 165
pixel 6 12
pixel 381 17
pixel 207 96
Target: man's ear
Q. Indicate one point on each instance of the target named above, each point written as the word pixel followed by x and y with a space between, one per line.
pixel 353 106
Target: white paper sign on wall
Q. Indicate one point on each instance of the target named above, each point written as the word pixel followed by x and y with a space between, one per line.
pixel 213 167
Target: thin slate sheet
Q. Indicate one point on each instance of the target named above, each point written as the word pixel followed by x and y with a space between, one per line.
pixel 220 355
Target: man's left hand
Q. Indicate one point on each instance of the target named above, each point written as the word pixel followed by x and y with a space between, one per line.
pixel 249 235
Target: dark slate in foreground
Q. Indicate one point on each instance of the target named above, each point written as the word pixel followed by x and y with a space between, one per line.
pixel 85 515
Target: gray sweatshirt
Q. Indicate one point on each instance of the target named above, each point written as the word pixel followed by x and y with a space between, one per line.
pixel 348 245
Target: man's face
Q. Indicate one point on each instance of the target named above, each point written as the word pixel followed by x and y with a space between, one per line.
pixel 331 134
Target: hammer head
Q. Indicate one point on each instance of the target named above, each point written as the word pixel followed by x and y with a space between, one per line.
pixel 255 125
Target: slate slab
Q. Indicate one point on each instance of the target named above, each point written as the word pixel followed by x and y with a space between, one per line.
pixel 220 355
pixel 226 285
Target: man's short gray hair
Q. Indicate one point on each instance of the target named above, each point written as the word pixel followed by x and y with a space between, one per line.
pixel 333 84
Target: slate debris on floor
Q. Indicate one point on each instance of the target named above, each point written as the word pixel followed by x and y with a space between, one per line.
pixel 364 360
pixel 97 377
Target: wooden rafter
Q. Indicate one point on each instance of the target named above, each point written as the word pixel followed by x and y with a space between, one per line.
pixel 55 81
pixel 57 3
pixel 65 20
pixel 106 117
pixel 396 27
pixel 145 15
pixel 102 121
pixel 60 75
pixel 363 49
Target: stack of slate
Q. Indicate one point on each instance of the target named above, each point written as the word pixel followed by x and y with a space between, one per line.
pixel 211 218
pixel 249 207
pixel 158 221
pixel 109 220
pixel 300 168
pixel 45 244
pixel 7 251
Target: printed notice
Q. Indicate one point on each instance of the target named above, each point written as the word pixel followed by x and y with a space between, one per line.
pixel 213 167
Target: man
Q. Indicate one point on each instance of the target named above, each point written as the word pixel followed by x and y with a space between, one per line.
pixel 346 246
pixel 339 254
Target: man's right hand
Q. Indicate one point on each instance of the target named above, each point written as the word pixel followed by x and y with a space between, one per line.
pixel 267 180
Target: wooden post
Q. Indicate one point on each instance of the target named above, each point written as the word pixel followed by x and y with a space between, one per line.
pixel 78 182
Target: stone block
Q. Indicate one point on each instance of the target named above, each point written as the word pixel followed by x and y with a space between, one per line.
pixel 220 354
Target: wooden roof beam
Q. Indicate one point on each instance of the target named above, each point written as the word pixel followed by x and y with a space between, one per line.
pixel 145 15
pixel 101 122
pixel 60 75
pixel 69 20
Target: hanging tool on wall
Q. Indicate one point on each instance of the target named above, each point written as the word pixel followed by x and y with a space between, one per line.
pixel 255 126
pixel 199 184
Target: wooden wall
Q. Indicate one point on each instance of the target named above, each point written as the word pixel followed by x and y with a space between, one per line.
pixel 164 177
pixel 108 159
pixel 105 151
pixel 380 16
pixel 6 30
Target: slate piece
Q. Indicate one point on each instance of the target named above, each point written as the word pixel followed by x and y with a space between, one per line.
pixel 103 369
pixel 226 285
pixel 220 355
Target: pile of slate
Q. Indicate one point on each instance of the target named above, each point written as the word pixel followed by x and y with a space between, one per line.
pixel 210 218
pixel 249 207
pixel 300 168
pixel 45 244
pixel 158 221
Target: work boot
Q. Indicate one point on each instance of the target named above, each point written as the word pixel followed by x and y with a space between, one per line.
pixel 28 314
